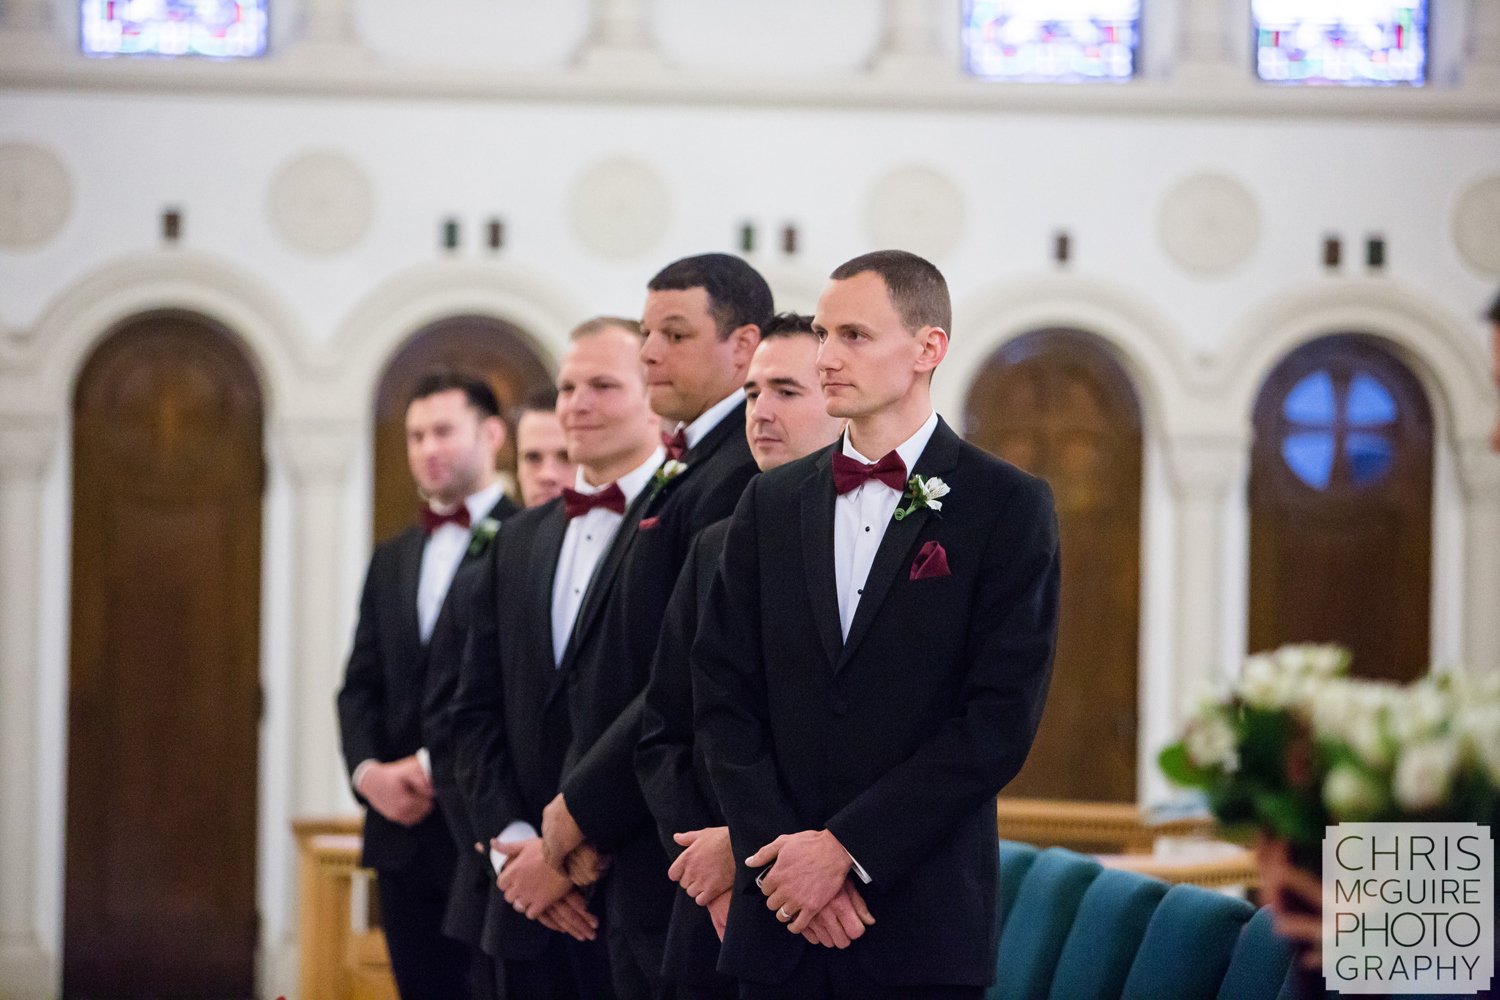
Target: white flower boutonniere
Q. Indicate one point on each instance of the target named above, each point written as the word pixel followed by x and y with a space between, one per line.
pixel 482 534
pixel 670 470
pixel 922 493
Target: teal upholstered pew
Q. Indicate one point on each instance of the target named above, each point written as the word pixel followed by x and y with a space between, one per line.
pixel 1071 930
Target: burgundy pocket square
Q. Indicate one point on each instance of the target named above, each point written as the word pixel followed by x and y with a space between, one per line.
pixel 931 562
pixel 647 523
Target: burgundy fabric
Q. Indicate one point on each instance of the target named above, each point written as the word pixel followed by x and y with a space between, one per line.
pixel 850 474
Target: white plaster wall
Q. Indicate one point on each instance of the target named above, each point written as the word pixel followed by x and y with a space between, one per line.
pixel 1022 175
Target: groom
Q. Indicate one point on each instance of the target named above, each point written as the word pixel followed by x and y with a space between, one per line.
pixel 871 666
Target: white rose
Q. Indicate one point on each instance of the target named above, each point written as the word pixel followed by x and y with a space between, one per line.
pixel 1424 774
pixel 1481 730
pixel 1327 660
pixel 1419 712
pixel 1350 794
pixel 1210 741
pixel 1259 681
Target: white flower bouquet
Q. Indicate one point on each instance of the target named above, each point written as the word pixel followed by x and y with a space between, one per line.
pixel 1297 745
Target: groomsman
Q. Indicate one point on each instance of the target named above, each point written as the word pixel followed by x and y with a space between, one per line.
pixel 702 320
pixel 784 419
pixel 453 432
pixel 543 467
pixel 542 470
pixel 536 606
pixel 871 667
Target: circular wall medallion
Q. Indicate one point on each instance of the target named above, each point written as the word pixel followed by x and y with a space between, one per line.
pixel 36 196
pixel 619 208
pixel 321 202
pixel 1476 226
pixel 1209 223
pixel 915 208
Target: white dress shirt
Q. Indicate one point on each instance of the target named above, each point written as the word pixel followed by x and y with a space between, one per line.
pixel 584 543
pixel 860 518
pixel 710 418
pixel 441 555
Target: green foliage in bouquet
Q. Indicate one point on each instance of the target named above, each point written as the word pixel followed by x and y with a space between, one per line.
pixel 1297 745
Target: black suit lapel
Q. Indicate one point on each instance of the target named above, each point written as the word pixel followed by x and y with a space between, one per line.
pixel 503 508
pixel 410 577
pixel 603 578
pixel 722 433
pixel 545 553
pixel 818 496
pixel 895 552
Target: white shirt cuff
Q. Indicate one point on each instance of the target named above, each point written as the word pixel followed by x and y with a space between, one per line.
pixel 424 760
pixel 517 830
pixel 359 773
pixel 859 871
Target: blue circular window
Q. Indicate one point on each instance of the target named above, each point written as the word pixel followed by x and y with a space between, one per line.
pixel 1324 423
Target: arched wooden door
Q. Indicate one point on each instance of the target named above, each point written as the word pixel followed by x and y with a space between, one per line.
pixel 1341 507
pixel 1057 404
pixel 489 347
pixel 164 696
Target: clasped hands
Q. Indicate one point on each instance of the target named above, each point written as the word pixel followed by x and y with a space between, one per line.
pixel 809 888
pixel 398 790
pixel 542 875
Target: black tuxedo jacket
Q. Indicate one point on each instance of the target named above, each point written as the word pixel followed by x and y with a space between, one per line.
pixel 381 704
pixel 510 715
pixel 669 762
pixel 473 878
pixel 606 685
pixel 898 739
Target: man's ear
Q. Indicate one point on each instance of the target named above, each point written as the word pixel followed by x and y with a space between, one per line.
pixel 934 341
pixel 745 339
pixel 493 430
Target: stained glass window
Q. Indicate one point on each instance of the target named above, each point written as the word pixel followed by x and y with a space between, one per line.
pixel 1350 42
pixel 216 28
pixel 1322 425
pixel 1063 41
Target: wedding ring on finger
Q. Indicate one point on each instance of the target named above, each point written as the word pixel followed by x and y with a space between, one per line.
pixel 785 915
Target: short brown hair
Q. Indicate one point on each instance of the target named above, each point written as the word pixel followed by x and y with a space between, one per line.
pixel 788 324
pixel 1494 314
pixel 917 288
pixel 598 324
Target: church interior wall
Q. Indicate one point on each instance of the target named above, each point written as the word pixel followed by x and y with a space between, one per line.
pixel 984 190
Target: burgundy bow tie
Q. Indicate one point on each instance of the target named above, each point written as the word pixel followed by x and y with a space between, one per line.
pixel 676 444
pixel 850 474
pixel 432 520
pixel 577 504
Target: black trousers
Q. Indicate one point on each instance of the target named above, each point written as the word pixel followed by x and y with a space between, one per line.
pixel 427 964
pixel 831 974
pixel 635 963
pixel 567 970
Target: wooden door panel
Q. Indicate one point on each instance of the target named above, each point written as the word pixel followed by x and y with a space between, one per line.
pixel 500 353
pixel 1057 405
pixel 1345 559
pixel 164 681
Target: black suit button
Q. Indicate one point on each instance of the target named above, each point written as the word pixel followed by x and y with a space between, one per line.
pixel 841 707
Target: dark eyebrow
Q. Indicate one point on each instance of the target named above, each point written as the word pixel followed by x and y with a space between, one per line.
pixel 785 381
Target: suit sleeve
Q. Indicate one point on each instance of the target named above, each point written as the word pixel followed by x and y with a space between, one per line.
pixel 664 756
pixel 731 713
pixel 601 789
pixel 361 701
pixel 920 802
pixel 482 766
